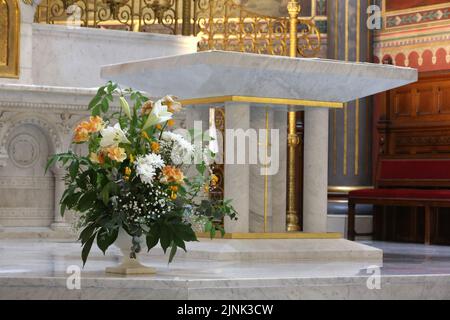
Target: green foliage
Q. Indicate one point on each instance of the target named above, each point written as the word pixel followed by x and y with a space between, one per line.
pixel 100 192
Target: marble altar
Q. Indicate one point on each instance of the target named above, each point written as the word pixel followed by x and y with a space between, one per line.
pixel 245 82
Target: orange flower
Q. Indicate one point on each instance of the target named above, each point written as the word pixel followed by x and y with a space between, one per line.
pixel 81 134
pixel 95 124
pixel 174 188
pixel 97 158
pixel 155 146
pixel 147 107
pixel 116 153
pixel 170 122
pixel 83 129
pixel 171 103
pixel 172 174
pixel 158 126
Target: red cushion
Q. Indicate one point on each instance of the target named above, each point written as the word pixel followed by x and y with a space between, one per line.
pixel 415 169
pixel 401 194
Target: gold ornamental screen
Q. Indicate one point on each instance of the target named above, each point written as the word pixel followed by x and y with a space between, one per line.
pixel 220 24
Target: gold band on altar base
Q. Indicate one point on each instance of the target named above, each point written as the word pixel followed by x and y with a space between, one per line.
pixel 263 100
pixel 273 235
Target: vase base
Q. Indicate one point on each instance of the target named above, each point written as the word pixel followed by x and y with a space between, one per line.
pixel 131 268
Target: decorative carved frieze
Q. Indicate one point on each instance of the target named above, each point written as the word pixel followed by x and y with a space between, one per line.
pixel 27 183
pixel 26 213
pixel 422 140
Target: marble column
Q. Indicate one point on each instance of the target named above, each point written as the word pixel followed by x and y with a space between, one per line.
pixel 59 222
pixel 315 179
pixel 237 176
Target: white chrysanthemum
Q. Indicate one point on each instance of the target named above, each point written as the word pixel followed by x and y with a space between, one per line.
pixel 146 173
pixel 182 150
pixel 147 165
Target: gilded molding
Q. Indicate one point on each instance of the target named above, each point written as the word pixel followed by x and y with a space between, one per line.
pixel 9 45
pixel 263 100
pixel 275 235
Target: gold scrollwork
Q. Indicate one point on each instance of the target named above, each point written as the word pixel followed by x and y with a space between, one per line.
pixel 226 25
pixel 157 16
pixel 220 24
pixel 9 42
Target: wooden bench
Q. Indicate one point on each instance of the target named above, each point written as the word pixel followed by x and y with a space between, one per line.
pixel 405 182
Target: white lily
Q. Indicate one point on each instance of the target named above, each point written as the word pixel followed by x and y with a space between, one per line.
pixel 112 136
pixel 159 114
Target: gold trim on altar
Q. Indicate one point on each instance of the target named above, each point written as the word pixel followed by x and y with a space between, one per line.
pixel 274 235
pixel 9 38
pixel 263 100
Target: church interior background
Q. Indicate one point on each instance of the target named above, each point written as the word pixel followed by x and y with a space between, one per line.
pixel 51 54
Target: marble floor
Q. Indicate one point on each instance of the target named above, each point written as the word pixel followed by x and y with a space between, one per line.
pixel 37 269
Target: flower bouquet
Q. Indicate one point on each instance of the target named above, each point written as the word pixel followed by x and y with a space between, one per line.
pixel 133 180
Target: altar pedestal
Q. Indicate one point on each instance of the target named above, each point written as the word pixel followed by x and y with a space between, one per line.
pixel 243 81
pixel 315 172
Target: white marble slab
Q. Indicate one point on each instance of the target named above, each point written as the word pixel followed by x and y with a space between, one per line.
pixel 37 270
pixel 222 73
pixel 72 57
pixel 280 250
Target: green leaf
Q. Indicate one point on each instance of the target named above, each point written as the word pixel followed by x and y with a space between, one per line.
pixel 165 237
pixel 185 232
pixel 179 242
pixel 173 251
pixel 82 180
pixel 212 232
pixel 101 90
pixel 153 236
pixel 208 226
pixel 51 162
pixel 152 240
pixel 87 248
pixel 107 189
pixel 87 201
pixel 68 192
pixel 106 238
pixel 201 168
pixel 94 101
pixel 92 176
pixel 96 110
pixel 222 231
pixel 62 209
pixel 73 168
pixel 86 233
pixel 71 199
pixel 105 105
